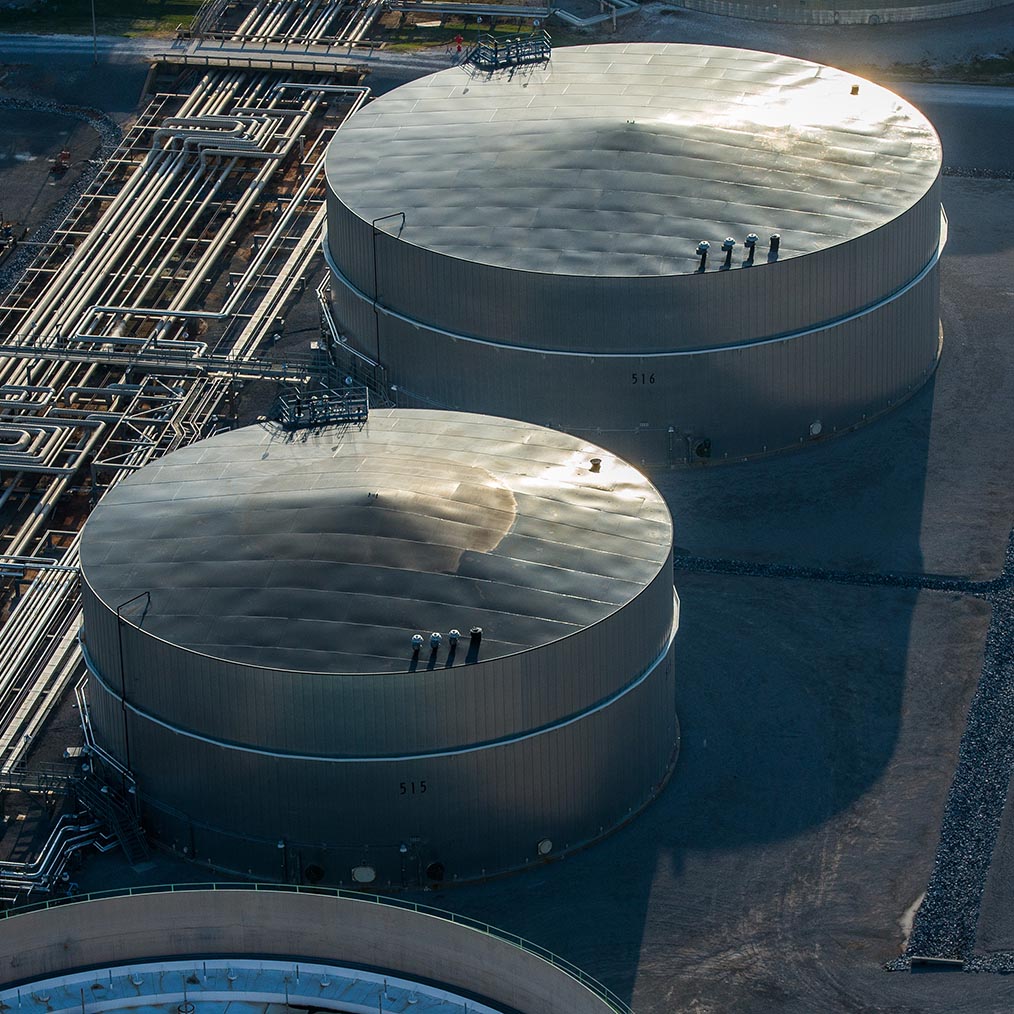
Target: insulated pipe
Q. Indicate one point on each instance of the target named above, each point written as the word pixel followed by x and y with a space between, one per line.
pixel 202 395
pixel 362 92
pixel 122 239
pixel 64 839
pixel 153 203
pixel 238 153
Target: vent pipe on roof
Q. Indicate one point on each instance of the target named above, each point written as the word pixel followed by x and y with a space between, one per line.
pixel 702 251
pixel 751 246
pixel 728 246
pixel 776 242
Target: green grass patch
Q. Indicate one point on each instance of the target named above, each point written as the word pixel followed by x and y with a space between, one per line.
pixel 403 35
pixel 994 69
pixel 112 17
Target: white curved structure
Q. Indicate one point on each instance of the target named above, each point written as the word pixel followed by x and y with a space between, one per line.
pixel 175 949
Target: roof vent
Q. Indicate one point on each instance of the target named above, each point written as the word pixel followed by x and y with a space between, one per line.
pixel 596 464
pixel 751 246
pixel 702 251
pixel 855 89
pixel 728 246
pixel 776 242
pixel 417 643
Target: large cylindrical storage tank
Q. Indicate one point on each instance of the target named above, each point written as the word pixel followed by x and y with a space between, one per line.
pixel 526 244
pixel 250 605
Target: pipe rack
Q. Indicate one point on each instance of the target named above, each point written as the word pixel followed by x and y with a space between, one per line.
pixel 98 374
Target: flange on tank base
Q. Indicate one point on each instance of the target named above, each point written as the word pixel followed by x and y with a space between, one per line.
pixel 408 865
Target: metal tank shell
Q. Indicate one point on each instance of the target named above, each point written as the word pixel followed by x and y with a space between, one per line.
pixel 528 245
pixel 253 607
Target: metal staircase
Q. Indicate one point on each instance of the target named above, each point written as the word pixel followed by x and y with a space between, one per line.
pixel 116 810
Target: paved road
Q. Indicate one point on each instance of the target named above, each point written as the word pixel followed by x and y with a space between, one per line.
pixel 975 122
pixel 12 46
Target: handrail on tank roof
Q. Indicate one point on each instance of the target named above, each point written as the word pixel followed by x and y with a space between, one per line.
pixel 596 987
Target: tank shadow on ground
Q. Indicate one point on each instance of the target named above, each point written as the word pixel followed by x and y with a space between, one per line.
pixel 789 698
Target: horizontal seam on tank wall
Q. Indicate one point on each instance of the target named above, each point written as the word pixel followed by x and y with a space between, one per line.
pixel 391 758
pixel 664 354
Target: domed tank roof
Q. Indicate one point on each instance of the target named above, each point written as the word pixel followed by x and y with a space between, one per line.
pixel 616 160
pixel 327 550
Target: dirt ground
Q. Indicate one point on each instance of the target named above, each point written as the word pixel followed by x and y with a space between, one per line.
pixel 28 141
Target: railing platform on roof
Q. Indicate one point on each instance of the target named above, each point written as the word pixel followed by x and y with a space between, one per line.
pixel 323 407
pixel 490 53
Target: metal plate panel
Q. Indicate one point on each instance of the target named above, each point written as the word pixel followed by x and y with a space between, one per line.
pixel 749 400
pixel 480 813
pixel 432 709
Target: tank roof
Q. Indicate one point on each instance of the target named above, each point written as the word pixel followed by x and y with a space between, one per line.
pixel 616 160
pixel 326 550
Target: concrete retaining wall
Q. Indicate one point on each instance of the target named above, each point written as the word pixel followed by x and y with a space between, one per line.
pixel 410 944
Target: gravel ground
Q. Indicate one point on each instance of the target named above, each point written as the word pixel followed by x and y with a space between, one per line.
pixel 43 213
pixel 994 937
pixel 945 926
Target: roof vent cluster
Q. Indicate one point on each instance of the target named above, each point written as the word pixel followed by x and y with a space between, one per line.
pixel 453 636
pixel 729 244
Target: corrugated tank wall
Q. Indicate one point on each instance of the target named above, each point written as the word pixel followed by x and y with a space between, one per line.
pixel 596 314
pixel 475 764
pixel 748 400
pixel 478 812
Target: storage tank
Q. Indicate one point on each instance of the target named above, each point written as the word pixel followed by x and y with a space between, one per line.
pixel 265 948
pixel 528 243
pixel 429 648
